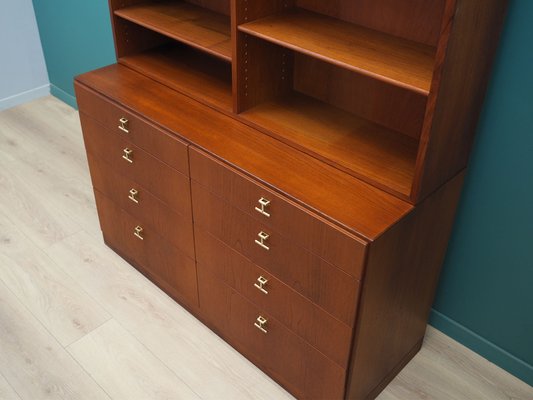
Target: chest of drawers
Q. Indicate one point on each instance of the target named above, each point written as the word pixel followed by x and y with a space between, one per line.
pixel 291 287
pixel 288 171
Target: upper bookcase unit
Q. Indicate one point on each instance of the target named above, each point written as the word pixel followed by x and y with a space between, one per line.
pixel 185 45
pixel 359 83
pixel 388 91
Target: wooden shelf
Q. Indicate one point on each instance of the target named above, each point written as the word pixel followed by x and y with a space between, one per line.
pixel 192 73
pixel 398 61
pixel 369 151
pixel 184 22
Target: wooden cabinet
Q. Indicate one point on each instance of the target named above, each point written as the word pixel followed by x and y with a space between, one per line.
pixel 289 170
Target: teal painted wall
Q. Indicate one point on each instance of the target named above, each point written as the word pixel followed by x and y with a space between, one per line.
pixel 485 298
pixel 76 37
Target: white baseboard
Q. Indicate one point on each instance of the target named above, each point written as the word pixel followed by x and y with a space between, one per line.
pixel 24 97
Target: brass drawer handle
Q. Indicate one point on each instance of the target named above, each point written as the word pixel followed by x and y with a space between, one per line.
pixel 139 232
pixel 263 204
pixel 261 284
pixel 133 196
pixel 263 237
pixel 261 324
pixel 128 155
pixel 124 123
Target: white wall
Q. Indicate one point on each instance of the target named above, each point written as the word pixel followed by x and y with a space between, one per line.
pixel 23 74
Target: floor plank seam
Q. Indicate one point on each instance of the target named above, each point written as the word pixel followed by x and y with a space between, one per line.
pixel 11 386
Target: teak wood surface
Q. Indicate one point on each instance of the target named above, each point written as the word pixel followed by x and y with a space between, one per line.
pixel 295 311
pixel 370 182
pixel 190 24
pixel 301 178
pixel 98 329
pixel 285 356
pixel 175 227
pixel 169 185
pixel 167 266
pixel 326 285
pixel 384 57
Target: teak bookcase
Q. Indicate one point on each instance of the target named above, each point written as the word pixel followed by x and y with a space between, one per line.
pixel 289 170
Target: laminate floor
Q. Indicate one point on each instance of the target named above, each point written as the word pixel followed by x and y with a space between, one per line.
pixel 78 322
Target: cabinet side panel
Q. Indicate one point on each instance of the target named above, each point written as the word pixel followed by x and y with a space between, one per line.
pixel 453 110
pixel 398 289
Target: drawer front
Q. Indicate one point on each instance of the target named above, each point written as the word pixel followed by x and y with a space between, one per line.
pixel 164 182
pixel 292 362
pixel 162 262
pixel 141 204
pixel 293 310
pixel 116 119
pixel 308 230
pixel 322 283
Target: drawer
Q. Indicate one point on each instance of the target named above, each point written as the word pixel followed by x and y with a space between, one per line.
pixel 141 204
pixel 162 262
pixel 299 314
pixel 165 183
pixel 148 137
pixel 283 355
pixel 304 228
pixel 324 284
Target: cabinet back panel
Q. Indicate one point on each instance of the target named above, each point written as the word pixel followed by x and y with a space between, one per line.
pixel 418 20
pixel 218 6
pixel 132 38
pixel 391 106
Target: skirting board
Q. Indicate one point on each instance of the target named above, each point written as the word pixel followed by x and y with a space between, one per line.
pixel 63 96
pixel 24 97
pixel 482 346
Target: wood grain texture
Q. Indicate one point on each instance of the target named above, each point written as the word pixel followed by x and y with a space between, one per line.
pixel 398 289
pixel 315 234
pixel 54 299
pixel 319 187
pixel 443 369
pixel 218 6
pixel 111 351
pixel 296 312
pixel 201 77
pixel 293 363
pixel 417 20
pixel 33 362
pixel 384 57
pixel 466 51
pixel 210 367
pixel 45 176
pixel 6 391
pixel 263 71
pixel 196 26
pixel 167 184
pixel 175 228
pixel 323 283
pixel 159 143
pixel 167 266
pixel 377 155
pixel 394 108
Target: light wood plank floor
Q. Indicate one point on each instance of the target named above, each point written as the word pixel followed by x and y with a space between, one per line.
pixel 77 322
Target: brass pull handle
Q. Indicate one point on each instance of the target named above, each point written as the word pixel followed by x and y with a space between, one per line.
pixel 133 196
pixel 139 232
pixel 261 324
pixel 128 155
pixel 263 237
pixel 263 204
pixel 261 284
pixel 124 125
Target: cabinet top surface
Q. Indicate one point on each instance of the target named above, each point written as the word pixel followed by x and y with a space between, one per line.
pixel 348 202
